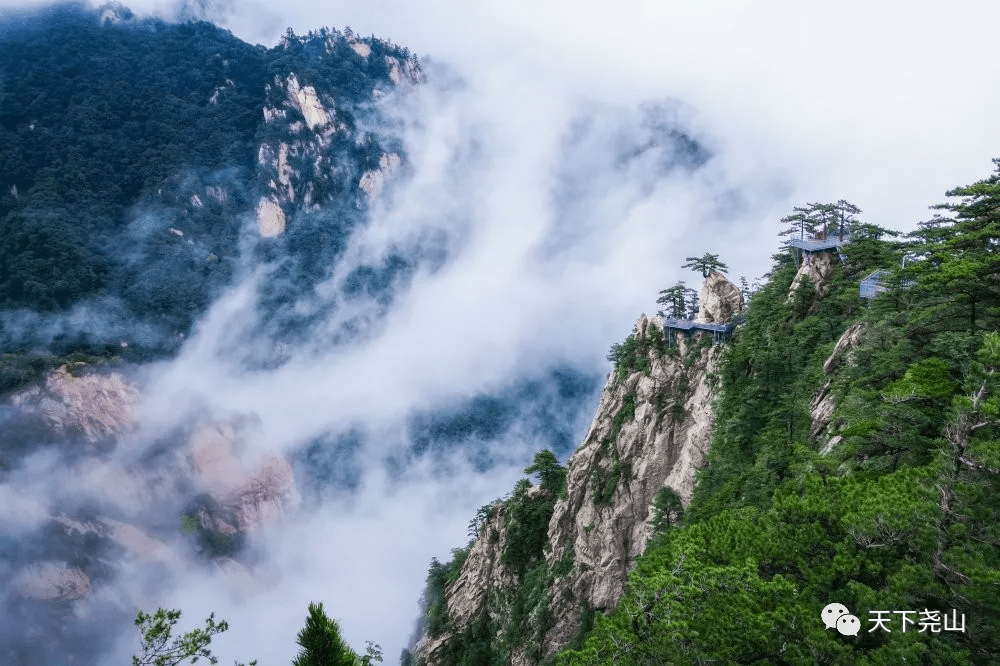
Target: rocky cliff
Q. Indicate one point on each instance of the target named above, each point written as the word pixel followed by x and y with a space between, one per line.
pixel 233 485
pixel 652 430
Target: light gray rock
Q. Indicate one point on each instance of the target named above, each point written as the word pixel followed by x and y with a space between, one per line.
pixel 719 299
pixel 819 268
pixel 822 405
pixel 663 443
pixel 850 339
pixel 51 581
pixel 76 401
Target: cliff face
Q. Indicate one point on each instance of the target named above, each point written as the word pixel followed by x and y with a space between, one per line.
pixel 822 405
pixel 818 267
pixel 236 485
pixel 652 430
pixel 719 299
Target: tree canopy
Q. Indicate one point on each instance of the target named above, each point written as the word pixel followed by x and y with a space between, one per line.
pixel 705 264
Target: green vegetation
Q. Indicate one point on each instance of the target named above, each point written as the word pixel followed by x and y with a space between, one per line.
pixel 632 355
pixel 157 648
pixel 110 133
pixel 822 219
pixel 321 643
pixel 679 302
pixel 901 514
pixel 19 370
pixel 706 264
pixel 515 617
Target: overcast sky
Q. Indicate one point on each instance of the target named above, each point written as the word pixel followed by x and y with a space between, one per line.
pixel 887 105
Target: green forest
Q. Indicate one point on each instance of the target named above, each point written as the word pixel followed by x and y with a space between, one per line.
pixel 898 519
pixel 108 130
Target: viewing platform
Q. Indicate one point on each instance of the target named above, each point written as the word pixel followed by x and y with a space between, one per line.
pixel 802 248
pixel 873 285
pixel 720 332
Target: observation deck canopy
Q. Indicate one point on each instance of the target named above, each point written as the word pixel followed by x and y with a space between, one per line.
pixel 720 332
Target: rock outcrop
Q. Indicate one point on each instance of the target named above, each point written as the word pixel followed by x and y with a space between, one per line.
pixel 51 581
pixel 79 402
pixel 298 159
pixel 657 426
pixel 652 430
pixel 240 486
pixel 818 267
pixel 482 572
pixel 719 299
pixel 822 405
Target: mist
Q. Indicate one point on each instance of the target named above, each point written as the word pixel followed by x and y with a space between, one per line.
pixel 561 163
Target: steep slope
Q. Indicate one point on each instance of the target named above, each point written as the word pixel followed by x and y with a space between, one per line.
pixel 650 435
pixel 145 164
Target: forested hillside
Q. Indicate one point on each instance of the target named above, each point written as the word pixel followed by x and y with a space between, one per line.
pixel 130 162
pixel 854 459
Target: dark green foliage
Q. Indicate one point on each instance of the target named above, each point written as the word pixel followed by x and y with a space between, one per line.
pixel 527 527
pixel 108 132
pixel 706 264
pixel 667 510
pixel 439 577
pixel 551 474
pixel 901 514
pixel 157 648
pixel 632 355
pixel 604 482
pixel 821 219
pixel 957 268
pixel 674 301
pixel 101 116
pixel 321 643
pixel 18 370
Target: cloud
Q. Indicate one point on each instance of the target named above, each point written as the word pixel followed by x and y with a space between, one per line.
pixel 550 202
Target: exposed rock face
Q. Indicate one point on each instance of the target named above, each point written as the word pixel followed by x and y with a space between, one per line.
pixel 361 49
pixel 296 164
pixel 663 445
pixel 719 299
pixel 51 581
pixel 96 406
pixel 270 218
pixel 305 101
pixel 250 486
pixel 253 491
pixel 406 72
pixel 822 405
pixel 372 181
pixel 818 267
pixel 483 571
pixel 652 429
pixel 850 339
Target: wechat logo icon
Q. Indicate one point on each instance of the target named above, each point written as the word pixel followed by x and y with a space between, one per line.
pixel 836 616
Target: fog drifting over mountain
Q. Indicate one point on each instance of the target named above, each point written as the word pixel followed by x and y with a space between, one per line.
pixel 555 244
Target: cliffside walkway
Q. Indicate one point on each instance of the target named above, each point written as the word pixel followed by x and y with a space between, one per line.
pixel 803 248
pixel 720 332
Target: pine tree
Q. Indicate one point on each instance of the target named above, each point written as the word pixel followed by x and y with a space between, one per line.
pixel 674 300
pixel 705 264
pixel 321 642
pixel 958 266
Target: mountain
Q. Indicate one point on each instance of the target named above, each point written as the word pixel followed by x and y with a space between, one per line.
pixel 134 151
pixel 166 187
pixel 840 447
pixel 149 170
